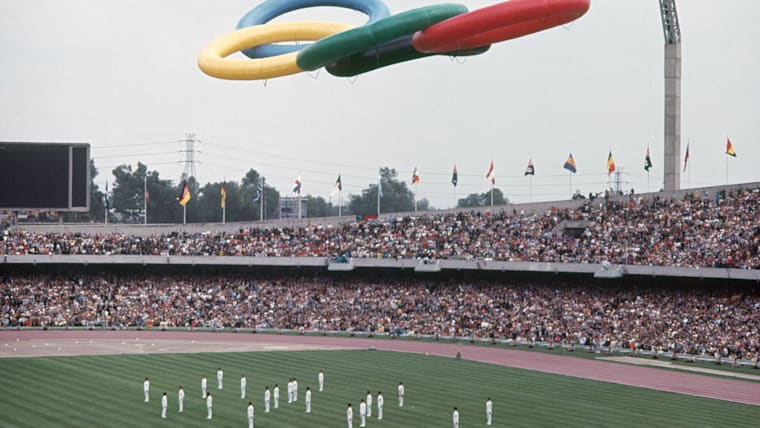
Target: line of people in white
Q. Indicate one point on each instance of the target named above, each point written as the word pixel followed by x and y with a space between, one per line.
pixel 365 406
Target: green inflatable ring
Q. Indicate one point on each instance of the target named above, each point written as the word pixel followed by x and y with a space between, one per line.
pixel 332 48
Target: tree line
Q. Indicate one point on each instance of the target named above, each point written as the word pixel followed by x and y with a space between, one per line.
pixel 126 196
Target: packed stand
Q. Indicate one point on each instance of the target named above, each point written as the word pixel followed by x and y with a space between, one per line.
pixel 702 321
pixel 700 230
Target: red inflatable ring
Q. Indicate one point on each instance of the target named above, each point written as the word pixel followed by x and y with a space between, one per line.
pixel 493 24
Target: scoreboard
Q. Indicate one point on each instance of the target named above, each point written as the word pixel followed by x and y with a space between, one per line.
pixel 45 176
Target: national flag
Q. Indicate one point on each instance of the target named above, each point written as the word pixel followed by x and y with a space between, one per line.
pixel 223 192
pixel 530 169
pixel 647 161
pixel 147 197
pixel 339 184
pixel 570 164
pixel 730 148
pixel 106 198
pixel 610 164
pixel 455 176
pixel 297 186
pixel 184 196
pixel 259 190
pixel 415 177
pixel 379 186
pixel 490 175
pixel 686 158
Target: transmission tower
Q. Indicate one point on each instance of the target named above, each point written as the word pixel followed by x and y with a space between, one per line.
pixel 189 152
pixel 672 140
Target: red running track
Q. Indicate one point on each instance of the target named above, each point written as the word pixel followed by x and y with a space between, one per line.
pixel 713 387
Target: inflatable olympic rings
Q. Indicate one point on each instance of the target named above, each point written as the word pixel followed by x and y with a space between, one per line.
pixel 497 23
pixel 212 59
pixel 384 40
pixel 333 48
pixel 270 9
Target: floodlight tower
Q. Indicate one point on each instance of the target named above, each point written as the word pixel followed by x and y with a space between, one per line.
pixel 672 140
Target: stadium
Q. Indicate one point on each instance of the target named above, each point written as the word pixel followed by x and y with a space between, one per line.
pixel 134 307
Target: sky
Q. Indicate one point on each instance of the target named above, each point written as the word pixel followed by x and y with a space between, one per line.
pixel 123 77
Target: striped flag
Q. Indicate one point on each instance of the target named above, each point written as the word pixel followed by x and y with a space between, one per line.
pixel 491 174
pixel 570 164
pixel 686 158
pixel 259 190
pixel 730 148
pixel 610 164
pixel 455 176
pixel 415 177
pixel 339 184
pixel 184 196
pixel 223 193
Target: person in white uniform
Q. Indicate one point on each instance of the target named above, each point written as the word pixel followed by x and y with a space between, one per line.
pixel 164 405
pixel 219 377
pixel 321 379
pixel 363 413
pixel 489 411
pixel 307 398
pixel 455 418
pixel 209 405
pixel 369 404
pixel 380 402
pixel 204 384
pixel 243 382
pixel 146 389
pixel 295 390
pixel 350 416
pixel 266 399
pixel 181 398
pixel 249 413
pixel 401 391
pixel 276 396
pixel 290 390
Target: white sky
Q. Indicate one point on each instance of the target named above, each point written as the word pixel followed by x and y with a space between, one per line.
pixel 122 75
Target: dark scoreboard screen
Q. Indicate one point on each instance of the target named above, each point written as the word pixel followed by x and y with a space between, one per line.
pixel 45 176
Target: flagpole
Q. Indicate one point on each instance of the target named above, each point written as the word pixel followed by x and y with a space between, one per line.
pixel 379 184
pixel 571 185
pixel 299 204
pixel 340 201
pixel 261 215
pixel 492 185
pixel 105 214
pixel 145 199
pixel 531 188
pixel 415 198
pixel 184 214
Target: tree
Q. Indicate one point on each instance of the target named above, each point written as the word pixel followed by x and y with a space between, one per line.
pixel 396 196
pixel 318 207
pixel 483 199
pixel 248 194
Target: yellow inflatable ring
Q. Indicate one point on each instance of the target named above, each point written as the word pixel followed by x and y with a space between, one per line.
pixel 212 59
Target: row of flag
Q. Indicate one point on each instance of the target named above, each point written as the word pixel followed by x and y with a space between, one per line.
pixel 184 196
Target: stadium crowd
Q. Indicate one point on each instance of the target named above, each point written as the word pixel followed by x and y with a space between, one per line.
pixel 719 230
pixel 702 321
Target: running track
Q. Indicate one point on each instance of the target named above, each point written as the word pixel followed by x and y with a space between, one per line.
pixel 713 387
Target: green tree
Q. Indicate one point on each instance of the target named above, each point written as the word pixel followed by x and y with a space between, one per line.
pixel 396 196
pixel 318 207
pixel 483 199
pixel 248 193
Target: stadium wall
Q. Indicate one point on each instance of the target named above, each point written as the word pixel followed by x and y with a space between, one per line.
pixel 487 267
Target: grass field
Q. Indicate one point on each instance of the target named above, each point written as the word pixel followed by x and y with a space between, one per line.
pixel 106 391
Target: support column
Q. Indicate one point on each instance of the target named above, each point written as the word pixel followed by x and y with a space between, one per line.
pixel 672 125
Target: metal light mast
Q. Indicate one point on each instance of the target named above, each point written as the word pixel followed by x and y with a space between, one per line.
pixel 672 140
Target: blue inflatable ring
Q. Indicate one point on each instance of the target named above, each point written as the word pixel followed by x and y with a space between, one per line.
pixel 270 9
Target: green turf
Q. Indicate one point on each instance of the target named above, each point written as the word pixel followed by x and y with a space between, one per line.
pixel 106 391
